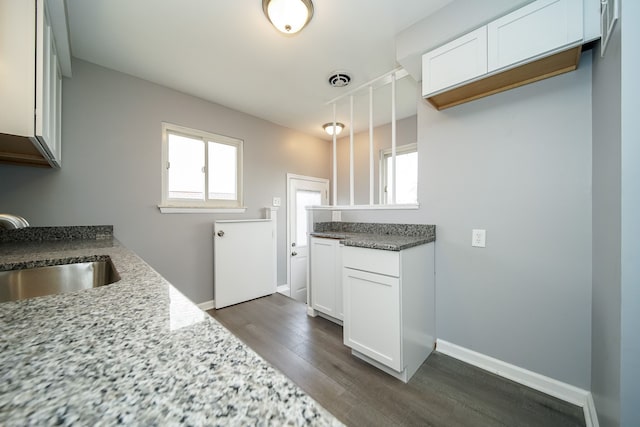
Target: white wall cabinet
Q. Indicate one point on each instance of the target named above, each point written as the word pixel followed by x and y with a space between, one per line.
pixel 532 33
pixel 536 29
pixel 458 61
pixel 31 85
pixel 326 276
pixel 389 307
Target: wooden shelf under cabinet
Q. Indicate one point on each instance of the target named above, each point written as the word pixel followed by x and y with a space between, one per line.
pixel 19 150
pixel 543 68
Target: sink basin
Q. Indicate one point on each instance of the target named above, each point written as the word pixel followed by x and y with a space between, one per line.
pixel 35 282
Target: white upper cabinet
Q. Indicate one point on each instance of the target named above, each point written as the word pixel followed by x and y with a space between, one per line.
pixel 31 84
pixel 460 60
pixel 539 28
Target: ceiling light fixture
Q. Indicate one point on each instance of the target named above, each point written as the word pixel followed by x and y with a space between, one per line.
pixel 288 16
pixel 328 127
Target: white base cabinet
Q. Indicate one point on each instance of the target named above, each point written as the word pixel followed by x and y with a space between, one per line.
pixel 389 307
pixel 326 276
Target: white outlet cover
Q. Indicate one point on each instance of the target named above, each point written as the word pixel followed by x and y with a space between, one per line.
pixel 479 238
pixel 277 201
pixel 336 215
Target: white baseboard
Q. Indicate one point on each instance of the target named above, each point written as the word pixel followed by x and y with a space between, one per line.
pixel 555 388
pixel 283 289
pixel 207 305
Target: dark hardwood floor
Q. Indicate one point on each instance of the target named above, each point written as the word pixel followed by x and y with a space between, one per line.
pixel 444 391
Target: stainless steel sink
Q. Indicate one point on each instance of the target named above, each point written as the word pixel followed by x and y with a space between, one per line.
pixel 35 282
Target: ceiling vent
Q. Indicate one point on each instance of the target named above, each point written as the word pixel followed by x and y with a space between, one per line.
pixel 339 79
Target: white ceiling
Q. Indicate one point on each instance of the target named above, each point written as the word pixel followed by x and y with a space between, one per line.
pixel 227 52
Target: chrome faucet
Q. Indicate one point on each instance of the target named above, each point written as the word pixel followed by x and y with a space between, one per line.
pixel 11 222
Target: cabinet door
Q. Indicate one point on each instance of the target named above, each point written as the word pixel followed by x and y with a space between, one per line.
pixel 534 30
pixel 323 275
pixel 458 61
pixel 372 316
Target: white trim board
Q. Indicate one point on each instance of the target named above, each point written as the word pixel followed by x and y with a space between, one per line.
pixel 207 305
pixel 555 388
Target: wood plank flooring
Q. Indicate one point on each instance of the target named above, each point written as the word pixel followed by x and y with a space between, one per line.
pixel 444 391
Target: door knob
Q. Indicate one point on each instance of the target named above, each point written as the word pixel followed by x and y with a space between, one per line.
pixel 220 233
pixel 294 253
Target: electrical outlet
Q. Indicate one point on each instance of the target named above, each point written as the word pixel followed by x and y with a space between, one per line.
pixel 479 238
pixel 336 215
pixel 277 201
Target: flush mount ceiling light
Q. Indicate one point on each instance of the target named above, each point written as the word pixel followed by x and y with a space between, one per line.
pixel 288 16
pixel 328 127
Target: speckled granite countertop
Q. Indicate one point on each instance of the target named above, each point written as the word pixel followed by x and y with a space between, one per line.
pixel 389 237
pixel 136 352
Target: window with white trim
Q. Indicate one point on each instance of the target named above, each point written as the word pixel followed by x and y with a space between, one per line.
pixel 200 169
pixel 406 176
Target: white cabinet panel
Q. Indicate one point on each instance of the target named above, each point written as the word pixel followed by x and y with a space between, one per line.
pixel 538 28
pixel 460 60
pixel 372 308
pixel 326 277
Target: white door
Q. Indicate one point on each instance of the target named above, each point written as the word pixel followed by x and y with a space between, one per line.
pixel 302 191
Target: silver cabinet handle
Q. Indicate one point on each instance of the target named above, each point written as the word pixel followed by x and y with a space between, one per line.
pixel 220 233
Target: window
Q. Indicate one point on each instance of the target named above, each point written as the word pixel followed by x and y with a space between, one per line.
pixel 406 176
pixel 200 170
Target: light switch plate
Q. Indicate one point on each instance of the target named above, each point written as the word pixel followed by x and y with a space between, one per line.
pixel 336 215
pixel 277 201
pixel 479 238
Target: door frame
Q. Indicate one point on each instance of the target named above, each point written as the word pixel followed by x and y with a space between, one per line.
pixel 290 177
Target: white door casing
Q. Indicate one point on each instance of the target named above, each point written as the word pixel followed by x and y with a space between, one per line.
pixel 301 191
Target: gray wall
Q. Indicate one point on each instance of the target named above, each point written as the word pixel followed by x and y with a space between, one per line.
pixel 111 172
pixel 517 164
pixel 605 364
pixel 630 253
pixel 406 134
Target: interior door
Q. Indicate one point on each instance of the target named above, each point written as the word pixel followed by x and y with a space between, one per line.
pixel 302 191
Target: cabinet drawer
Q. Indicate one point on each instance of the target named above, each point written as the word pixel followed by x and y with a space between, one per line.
pixel 538 28
pixel 373 260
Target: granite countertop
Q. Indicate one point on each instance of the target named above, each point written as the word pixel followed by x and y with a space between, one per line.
pixel 133 352
pixel 389 237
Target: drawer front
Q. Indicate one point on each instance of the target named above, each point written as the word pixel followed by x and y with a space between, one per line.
pixel 373 260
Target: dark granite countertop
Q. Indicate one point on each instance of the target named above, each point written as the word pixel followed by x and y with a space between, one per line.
pixel 136 352
pixel 389 237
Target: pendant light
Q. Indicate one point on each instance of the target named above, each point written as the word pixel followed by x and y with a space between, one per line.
pixel 288 16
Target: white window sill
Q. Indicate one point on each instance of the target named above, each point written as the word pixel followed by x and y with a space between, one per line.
pixel 364 207
pixel 198 210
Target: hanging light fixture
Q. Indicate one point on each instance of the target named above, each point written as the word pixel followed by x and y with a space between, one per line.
pixel 328 127
pixel 288 16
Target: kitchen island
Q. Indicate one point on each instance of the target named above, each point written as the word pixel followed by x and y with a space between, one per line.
pixel 133 352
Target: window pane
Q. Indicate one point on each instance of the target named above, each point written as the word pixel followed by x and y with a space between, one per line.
pixel 406 178
pixel 304 198
pixel 223 161
pixel 186 160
